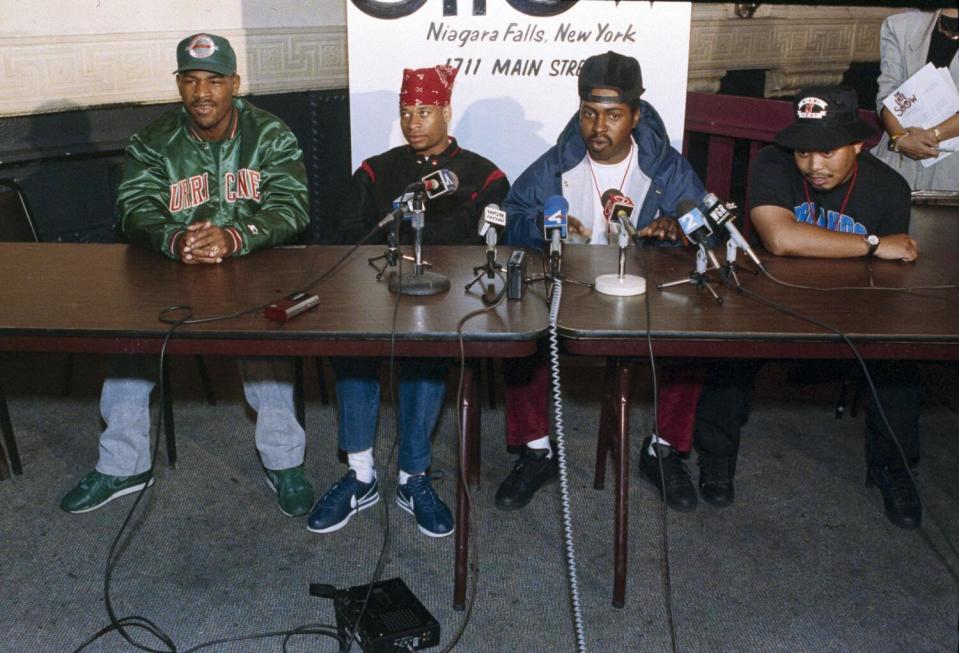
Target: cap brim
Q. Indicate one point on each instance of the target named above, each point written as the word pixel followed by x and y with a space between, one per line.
pixel 210 68
pixel 818 138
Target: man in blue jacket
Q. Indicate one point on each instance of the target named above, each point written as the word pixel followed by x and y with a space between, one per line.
pixel 615 141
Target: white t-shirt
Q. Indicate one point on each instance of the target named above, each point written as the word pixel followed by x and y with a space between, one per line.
pixel 584 184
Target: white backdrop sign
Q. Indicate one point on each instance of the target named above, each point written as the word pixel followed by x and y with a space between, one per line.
pixel 518 62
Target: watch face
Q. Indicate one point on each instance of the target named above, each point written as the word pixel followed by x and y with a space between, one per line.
pixel 872 239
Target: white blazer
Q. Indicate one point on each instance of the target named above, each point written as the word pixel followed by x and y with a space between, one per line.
pixel 903 48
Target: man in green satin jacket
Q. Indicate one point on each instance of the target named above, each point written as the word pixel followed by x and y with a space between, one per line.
pixel 214 178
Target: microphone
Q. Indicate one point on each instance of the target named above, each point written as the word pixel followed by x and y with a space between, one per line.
pixel 437 183
pixel 555 227
pixel 402 206
pixel 493 216
pixel 696 226
pixel 617 206
pixel 724 215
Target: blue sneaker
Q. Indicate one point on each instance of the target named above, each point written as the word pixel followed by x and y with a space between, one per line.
pixel 418 498
pixel 344 499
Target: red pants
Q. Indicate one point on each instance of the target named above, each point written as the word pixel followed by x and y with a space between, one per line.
pixel 528 396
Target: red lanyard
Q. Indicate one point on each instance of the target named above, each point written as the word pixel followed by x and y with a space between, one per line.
pixel 599 193
pixel 845 200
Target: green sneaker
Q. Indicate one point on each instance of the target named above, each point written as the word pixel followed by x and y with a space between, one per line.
pixel 96 489
pixel 293 492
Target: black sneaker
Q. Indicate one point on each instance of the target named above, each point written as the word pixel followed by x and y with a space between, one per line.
pixel 531 471
pixel 898 493
pixel 716 479
pixel 680 493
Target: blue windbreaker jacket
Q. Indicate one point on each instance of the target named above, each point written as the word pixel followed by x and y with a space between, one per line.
pixel 673 179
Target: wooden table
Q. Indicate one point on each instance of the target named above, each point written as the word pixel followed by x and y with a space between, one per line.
pixel 106 299
pixel 687 323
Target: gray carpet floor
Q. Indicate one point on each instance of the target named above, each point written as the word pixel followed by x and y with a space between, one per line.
pixel 804 560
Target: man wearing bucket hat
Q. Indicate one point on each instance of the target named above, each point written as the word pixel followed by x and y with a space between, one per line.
pixel 212 179
pixel 816 193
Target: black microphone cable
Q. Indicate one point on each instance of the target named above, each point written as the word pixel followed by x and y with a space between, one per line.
pixel 137 622
pixel 875 396
pixel 464 480
pixel 798 286
pixel 387 533
pixel 666 567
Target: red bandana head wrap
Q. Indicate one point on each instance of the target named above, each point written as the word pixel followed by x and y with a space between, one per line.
pixel 428 85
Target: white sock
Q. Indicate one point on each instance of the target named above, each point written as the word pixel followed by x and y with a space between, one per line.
pixel 405 476
pixel 542 443
pixel 651 450
pixel 361 462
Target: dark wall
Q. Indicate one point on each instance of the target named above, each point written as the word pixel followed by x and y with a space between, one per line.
pixel 69 163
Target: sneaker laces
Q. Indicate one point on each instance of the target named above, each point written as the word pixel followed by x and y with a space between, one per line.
pixel 424 496
pixel 346 485
pixel 674 471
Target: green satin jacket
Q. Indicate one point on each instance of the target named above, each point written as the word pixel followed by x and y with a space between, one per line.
pixel 252 183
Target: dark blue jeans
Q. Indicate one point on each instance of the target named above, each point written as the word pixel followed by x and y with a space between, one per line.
pixel 422 387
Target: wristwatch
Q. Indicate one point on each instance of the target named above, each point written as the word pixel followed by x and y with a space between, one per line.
pixel 872 240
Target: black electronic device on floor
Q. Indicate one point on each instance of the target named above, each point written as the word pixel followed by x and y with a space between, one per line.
pixel 394 620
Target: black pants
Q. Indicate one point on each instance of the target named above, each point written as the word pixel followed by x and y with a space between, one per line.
pixel 724 408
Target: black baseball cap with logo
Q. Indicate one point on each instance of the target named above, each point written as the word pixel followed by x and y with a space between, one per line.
pixel 826 118
pixel 205 52
pixel 611 70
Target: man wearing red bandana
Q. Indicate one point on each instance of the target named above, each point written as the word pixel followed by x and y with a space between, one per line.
pixel 450 219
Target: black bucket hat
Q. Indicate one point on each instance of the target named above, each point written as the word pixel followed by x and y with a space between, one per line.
pixel 611 70
pixel 826 118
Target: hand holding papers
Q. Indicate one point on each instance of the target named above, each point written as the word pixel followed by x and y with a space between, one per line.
pixel 925 100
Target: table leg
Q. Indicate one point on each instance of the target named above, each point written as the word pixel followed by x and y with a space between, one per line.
pixel 607 424
pixel 299 398
pixel 10 442
pixel 621 535
pixel 167 409
pixel 474 408
pixel 466 447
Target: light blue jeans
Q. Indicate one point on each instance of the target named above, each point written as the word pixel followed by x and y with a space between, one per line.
pixel 422 387
pixel 125 407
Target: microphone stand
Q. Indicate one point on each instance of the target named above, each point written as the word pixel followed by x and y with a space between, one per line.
pixel 698 277
pixel 555 253
pixel 492 269
pixel 729 268
pixel 392 253
pixel 621 284
pixel 421 282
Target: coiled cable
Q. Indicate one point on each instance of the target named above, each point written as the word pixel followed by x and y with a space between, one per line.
pixel 563 474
